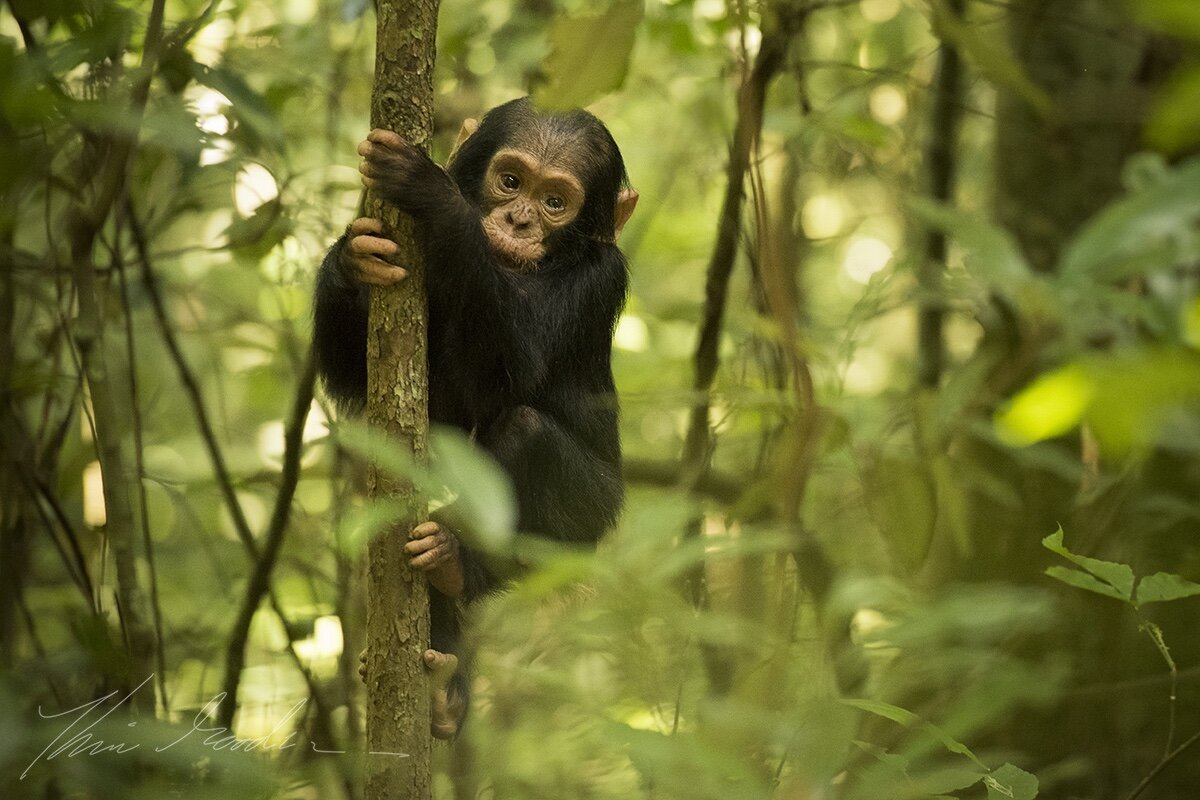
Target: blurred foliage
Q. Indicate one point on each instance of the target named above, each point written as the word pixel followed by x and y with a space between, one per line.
pixel 943 648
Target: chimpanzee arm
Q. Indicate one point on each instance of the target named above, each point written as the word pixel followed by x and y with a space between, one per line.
pixel 483 303
pixel 340 330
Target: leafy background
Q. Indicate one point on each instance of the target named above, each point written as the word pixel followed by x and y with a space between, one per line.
pixel 943 489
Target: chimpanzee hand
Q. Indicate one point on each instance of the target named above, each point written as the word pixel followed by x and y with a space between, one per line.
pixel 365 255
pixel 401 173
pixel 434 549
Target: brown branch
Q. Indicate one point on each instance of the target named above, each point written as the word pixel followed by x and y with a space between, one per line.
pixel 782 24
pixel 260 579
pixel 665 474
pixel 940 152
pixel 222 476
pixel 139 450
pixel 84 227
pixel 38 491
pixel 751 99
pixel 1163 764
pixel 191 386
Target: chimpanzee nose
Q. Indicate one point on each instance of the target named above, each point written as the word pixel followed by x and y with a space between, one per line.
pixel 520 219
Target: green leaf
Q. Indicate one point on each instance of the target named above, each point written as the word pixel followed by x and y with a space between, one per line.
pixel 1137 391
pixel 1180 18
pixel 259 233
pixel 990 56
pixel 1118 576
pixel 259 122
pixel 1050 406
pixel 1163 586
pixel 485 500
pixel 1191 324
pixel 1153 229
pixel 360 525
pixel 589 55
pixel 1082 580
pixel 1011 783
pixel 910 720
pixel 897 762
pixel 992 254
pixel 900 498
pixel 484 510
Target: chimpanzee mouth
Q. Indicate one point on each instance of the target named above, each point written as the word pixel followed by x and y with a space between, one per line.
pixel 521 255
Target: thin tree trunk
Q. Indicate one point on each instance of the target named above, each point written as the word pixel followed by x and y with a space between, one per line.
pixel 1053 172
pixel 940 155
pixel 87 220
pixel 398 708
pixel 783 22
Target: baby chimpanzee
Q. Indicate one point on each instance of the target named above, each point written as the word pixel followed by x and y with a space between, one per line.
pixel 524 283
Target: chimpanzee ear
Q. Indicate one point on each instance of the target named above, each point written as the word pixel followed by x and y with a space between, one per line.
pixel 626 202
pixel 469 127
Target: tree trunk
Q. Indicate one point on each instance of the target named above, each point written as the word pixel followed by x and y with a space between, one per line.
pixel 1054 171
pixel 398 712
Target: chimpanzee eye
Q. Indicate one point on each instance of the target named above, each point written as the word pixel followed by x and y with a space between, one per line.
pixel 510 182
pixel 555 203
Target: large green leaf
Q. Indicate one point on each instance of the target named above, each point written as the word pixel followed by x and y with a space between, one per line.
pixel 1082 580
pixel 259 123
pixel 1011 783
pixel 990 55
pixel 1118 577
pixel 908 719
pixel 900 497
pixel 589 55
pixel 484 497
pixel 1174 123
pixel 1163 586
pixel 481 492
pixel 1050 406
pixel 1137 391
pixel 1153 229
pixel 992 254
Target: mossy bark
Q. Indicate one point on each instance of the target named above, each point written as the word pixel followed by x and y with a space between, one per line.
pixel 398 712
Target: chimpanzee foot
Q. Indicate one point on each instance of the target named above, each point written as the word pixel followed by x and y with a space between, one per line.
pixel 447 708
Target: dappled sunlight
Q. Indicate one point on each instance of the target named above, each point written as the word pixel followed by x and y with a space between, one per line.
pixel 895 497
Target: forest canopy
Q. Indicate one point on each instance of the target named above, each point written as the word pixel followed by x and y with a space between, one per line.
pixel 909 383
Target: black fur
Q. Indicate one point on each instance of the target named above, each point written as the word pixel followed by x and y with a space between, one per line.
pixel 519 360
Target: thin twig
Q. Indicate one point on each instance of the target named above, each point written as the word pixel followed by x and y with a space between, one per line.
pixel 1163 764
pixel 264 565
pixel 191 385
pixel 139 463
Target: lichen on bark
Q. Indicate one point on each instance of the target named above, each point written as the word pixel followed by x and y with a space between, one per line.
pixel 397 628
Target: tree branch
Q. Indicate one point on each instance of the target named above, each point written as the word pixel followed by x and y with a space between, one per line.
pixel 940 156
pixel 83 229
pixel 260 579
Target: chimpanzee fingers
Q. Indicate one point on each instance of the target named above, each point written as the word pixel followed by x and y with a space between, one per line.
pixel 431 558
pixel 378 273
pixel 366 226
pixel 418 546
pixel 369 171
pixel 386 138
pixel 427 528
pixel 442 665
pixel 368 245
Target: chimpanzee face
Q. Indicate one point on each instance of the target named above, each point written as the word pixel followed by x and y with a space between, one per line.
pixel 542 181
pixel 527 197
